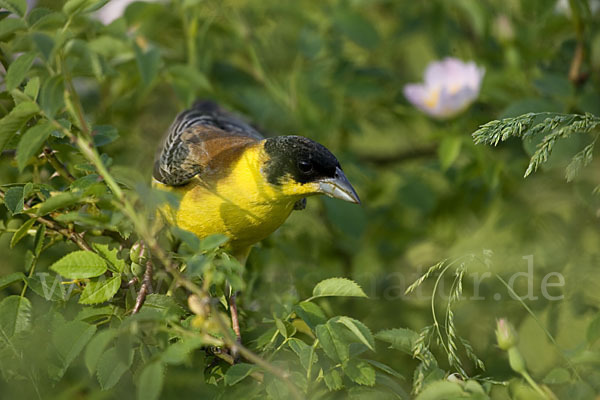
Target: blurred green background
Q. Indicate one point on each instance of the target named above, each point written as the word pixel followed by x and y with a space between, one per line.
pixel 334 71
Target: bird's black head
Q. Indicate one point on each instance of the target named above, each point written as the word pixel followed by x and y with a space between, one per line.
pixel 308 163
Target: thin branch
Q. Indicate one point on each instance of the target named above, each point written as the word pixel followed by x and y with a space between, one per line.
pixel 145 288
pixel 54 226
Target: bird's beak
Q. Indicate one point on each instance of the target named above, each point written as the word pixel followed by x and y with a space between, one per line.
pixel 338 187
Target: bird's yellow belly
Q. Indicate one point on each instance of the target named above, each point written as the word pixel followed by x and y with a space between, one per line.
pixel 246 218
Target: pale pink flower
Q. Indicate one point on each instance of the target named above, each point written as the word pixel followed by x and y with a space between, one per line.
pixel 113 10
pixel 450 87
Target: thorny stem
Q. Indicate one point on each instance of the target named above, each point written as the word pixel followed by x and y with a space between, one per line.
pixel 250 356
pixel 145 288
pixel 57 165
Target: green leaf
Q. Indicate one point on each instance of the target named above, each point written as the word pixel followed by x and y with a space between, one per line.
pixel 18 69
pixel 360 330
pixel 557 376
pixel 303 351
pixel 14 120
pixel 310 313
pixel 38 242
pixel 112 255
pixel 10 25
pixel 333 379
pixel 13 199
pixel 359 371
pixel 338 287
pixel 18 7
pixel 21 232
pixel 111 366
pixel 593 330
pixel 150 382
pixel 104 134
pixel 181 351
pixel 52 95
pixel 69 339
pixel 400 338
pixel 31 141
pixel 237 373
pixel 80 264
pixel 213 242
pixel 96 346
pixel 48 287
pixel 74 7
pixel 442 390
pixel 449 150
pixel 15 315
pixel 9 279
pixel 58 201
pixel 147 62
pixel 357 28
pixel 45 44
pixel 166 304
pixel 100 290
pixel 332 341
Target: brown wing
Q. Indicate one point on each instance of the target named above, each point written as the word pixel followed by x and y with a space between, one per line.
pixel 197 137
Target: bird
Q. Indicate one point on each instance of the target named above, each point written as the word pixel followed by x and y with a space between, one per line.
pixel 234 181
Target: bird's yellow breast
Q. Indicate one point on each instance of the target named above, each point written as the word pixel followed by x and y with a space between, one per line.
pixel 236 201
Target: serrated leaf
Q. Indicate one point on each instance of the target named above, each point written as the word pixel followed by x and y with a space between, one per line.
pixel 166 304
pixel 9 279
pixel 332 341
pixel 18 69
pixel 399 338
pixel 237 373
pixel 69 339
pixel 338 287
pixel 360 330
pixel 333 379
pixel 14 121
pixel 311 314
pixel 150 382
pixel 80 264
pixel 104 134
pixel 13 199
pixel 96 347
pixel 100 289
pixel 359 371
pixel 15 315
pixel 112 255
pixel 31 141
pixel 111 366
pixel 21 232
pixel 303 351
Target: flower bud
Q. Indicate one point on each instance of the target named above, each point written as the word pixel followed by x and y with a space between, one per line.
pixel 137 253
pixel 505 334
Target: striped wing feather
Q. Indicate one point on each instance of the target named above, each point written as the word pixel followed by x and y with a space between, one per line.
pixel 197 138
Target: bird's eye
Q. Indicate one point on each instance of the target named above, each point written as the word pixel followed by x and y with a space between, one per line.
pixel 305 167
